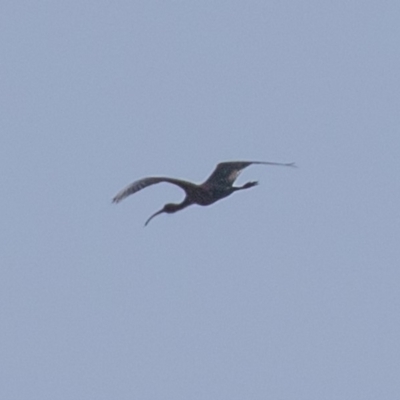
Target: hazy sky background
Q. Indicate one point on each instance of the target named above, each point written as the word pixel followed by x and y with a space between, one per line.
pixel 286 291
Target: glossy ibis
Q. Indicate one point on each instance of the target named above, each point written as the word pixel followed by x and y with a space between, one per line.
pixel 216 187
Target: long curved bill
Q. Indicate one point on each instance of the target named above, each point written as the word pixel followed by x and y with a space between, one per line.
pixel 152 216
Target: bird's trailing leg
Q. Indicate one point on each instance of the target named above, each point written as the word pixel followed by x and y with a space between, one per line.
pixel 248 185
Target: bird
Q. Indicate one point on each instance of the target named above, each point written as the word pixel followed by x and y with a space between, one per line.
pixel 217 186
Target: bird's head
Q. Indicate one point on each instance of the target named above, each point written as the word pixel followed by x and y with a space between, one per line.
pixel 168 208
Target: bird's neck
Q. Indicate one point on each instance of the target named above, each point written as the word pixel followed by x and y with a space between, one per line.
pixel 172 208
pixel 185 203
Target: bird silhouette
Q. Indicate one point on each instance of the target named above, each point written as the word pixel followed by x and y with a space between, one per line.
pixel 218 186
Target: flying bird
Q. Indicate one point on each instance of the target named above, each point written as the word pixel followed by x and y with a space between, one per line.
pixel 218 186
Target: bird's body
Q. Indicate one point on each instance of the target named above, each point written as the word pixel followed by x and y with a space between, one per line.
pixel 218 186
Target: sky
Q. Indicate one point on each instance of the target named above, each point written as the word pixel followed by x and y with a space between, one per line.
pixel 289 290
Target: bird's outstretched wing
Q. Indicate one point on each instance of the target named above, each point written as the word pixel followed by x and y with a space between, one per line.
pixel 226 173
pixel 143 183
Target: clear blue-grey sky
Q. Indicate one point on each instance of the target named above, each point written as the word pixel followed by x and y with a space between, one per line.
pixel 289 290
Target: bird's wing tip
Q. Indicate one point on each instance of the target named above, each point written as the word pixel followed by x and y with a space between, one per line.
pixel 117 199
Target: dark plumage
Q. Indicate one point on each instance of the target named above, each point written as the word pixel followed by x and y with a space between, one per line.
pixel 216 187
